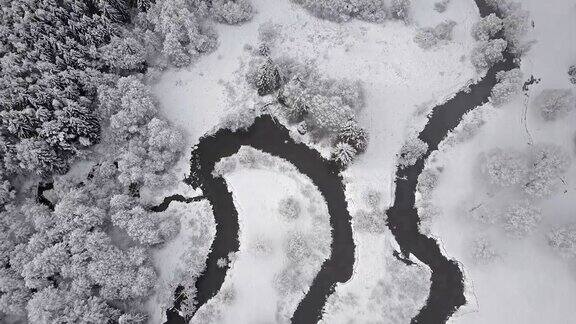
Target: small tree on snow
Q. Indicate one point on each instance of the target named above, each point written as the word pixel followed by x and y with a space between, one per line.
pixel 504 167
pixel 343 153
pixel 430 37
pixel 267 78
pixel 563 240
pixel 555 103
pixel 411 151
pixel 521 218
pixel 399 9
pixel 547 163
pixel 289 208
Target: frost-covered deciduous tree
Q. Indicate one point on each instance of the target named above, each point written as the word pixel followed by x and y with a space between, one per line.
pixel 432 36
pixel 344 10
pixel 328 114
pixel 546 164
pixel 411 151
pixel 516 23
pixel 182 29
pixel 487 53
pixel 125 54
pixel 141 225
pixel 563 240
pixel 487 27
pixel 53 305
pixel 232 11
pixel 521 218
pixel 400 9
pixel 509 85
pixel 504 167
pixel 555 103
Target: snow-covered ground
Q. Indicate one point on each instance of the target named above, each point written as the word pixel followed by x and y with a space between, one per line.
pixel 281 247
pixel 402 82
pixel 526 282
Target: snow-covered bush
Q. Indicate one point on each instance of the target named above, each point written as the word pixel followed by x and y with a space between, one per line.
pixel 297 247
pixel 429 37
pixel 373 221
pixel 441 6
pixel 400 9
pixel 547 163
pixel 504 167
pixel 289 208
pixel 509 85
pixel 232 11
pixel 427 181
pixel 563 240
pixel 572 74
pixel 411 151
pixel 487 53
pixel 344 10
pixel 521 218
pixel 555 103
pixel 487 27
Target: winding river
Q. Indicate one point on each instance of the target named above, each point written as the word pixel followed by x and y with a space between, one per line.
pixel 447 287
pixel 267 135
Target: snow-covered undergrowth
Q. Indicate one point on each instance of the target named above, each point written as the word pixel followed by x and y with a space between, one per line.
pixel 180 261
pixel 284 239
pixel 500 194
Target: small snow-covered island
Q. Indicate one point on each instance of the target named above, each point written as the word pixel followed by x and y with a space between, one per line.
pixel 287 161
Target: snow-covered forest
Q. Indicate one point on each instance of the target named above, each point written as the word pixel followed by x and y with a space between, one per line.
pixel 287 161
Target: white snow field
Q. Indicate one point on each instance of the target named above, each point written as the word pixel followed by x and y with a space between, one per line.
pixel 281 249
pixel 523 280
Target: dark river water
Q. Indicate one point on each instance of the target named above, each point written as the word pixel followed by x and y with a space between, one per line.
pixel 447 286
pixel 269 136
